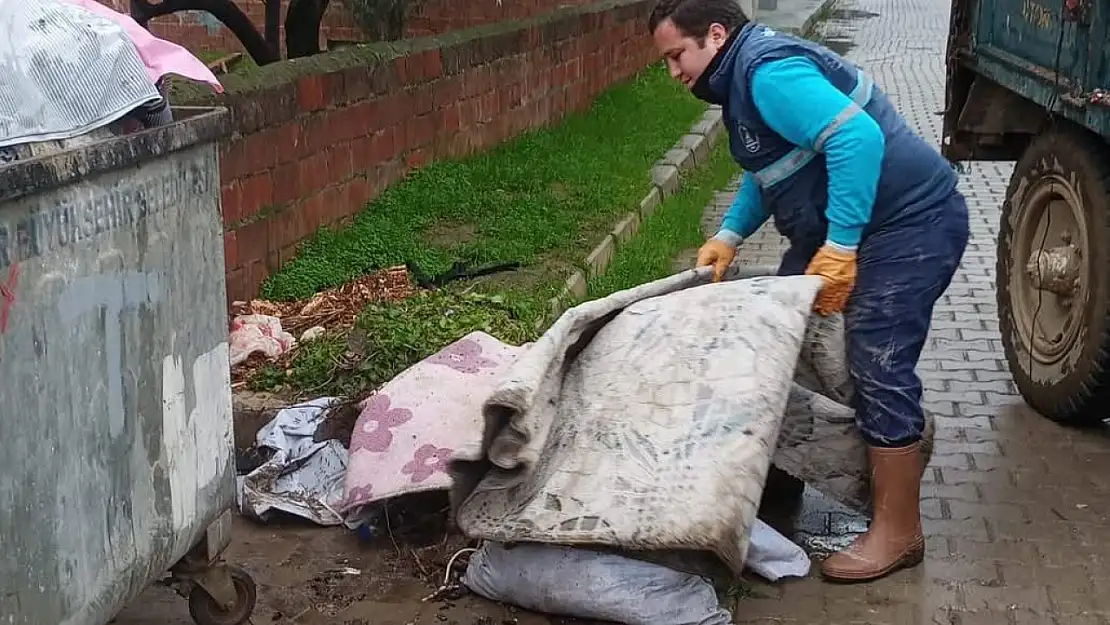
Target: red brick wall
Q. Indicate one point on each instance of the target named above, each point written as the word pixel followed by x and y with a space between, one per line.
pixel 435 17
pixel 312 149
pixel 431 17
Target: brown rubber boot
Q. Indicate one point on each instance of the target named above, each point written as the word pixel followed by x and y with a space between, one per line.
pixel 894 541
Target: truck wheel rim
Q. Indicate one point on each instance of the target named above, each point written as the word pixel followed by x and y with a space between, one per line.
pixel 1050 269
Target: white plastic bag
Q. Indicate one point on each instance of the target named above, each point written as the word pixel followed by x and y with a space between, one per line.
pixel 773 556
pixel 589 584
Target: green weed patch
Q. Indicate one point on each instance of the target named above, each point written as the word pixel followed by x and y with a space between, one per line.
pixel 538 200
pixel 543 200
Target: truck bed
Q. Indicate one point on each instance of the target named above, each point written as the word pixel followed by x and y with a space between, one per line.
pixel 1012 61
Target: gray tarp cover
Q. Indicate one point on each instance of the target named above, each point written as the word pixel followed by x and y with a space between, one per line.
pixel 64 71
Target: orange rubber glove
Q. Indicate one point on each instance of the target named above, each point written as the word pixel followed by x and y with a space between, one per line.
pixel 838 268
pixel 717 253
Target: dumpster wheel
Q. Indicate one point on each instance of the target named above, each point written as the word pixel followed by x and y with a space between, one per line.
pixel 1053 285
pixel 206 610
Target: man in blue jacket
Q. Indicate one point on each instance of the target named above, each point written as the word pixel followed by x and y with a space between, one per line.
pixel 866 204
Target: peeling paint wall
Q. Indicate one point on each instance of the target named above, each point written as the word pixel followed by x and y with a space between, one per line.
pixel 115 405
pixel 192 439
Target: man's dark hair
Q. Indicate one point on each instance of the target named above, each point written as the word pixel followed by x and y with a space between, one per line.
pixel 694 17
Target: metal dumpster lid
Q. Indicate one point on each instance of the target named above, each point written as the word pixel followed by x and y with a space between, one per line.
pixel 195 126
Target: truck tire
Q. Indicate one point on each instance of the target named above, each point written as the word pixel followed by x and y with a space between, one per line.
pixel 1054 313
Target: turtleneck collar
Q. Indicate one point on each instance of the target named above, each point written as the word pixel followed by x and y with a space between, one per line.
pixel 712 86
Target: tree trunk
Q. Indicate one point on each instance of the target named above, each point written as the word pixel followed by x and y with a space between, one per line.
pixel 302 27
pixel 273 24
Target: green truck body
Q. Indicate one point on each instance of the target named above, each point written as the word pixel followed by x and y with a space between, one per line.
pixel 1029 81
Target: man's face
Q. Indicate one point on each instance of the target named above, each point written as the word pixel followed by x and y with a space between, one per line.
pixel 686 56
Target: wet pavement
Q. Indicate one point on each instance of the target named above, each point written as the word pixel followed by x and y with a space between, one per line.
pixel 310 575
pixel 787 15
pixel 1015 508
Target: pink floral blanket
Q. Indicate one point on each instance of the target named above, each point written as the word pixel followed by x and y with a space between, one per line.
pixel 408 429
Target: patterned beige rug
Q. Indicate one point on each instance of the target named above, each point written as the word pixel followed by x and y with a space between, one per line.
pixel 647 420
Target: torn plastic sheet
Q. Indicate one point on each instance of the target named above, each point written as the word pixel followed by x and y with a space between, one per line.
pixel 302 477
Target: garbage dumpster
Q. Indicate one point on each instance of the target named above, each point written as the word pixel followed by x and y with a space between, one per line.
pixel 116 452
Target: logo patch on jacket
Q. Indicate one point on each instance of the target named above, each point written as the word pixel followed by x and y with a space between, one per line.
pixel 750 139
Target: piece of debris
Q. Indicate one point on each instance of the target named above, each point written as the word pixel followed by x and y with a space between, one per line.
pixel 339 423
pixel 337 307
pixel 302 477
pixel 261 334
pixel 334 309
pixel 452 586
pixel 226 63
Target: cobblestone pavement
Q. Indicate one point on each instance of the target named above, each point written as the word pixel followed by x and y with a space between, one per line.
pixel 1015 508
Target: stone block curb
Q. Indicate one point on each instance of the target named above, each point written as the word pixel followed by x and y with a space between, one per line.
pixel 650 202
pixel 626 228
pixel 698 146
pixel 691 150
pixel 816 22
pixel 597 261
pixel 665 178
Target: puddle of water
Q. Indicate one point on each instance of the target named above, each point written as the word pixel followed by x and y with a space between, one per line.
pixel 823 546
pixel 820 525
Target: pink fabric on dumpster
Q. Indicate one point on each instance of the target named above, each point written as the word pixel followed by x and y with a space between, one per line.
pixel 408 429
pixel 161 57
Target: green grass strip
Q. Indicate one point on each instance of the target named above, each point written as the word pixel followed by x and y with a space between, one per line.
pixel 541 199
pixel 673 228
pixel 400 334
pixel 389 338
